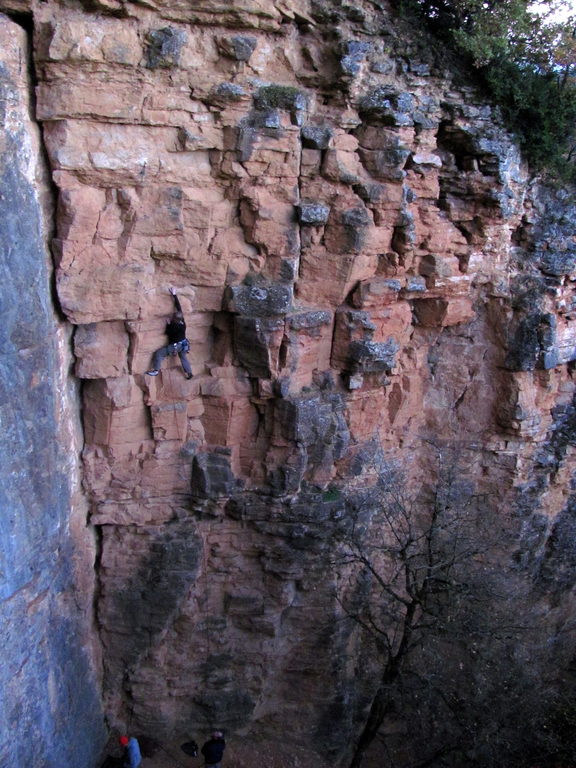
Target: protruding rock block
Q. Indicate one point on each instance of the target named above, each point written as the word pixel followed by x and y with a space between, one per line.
pixel 517 411
pixel 155 211
pixel 350 325
pixel 310 320
pixel 393 321
pixel 375 138
pixel 310 163
pixel 164 47
pixel 228 381
pixel 260 298
pixel 439 266
pixel 101 350
pixel 532 342
pixel 238 47
pixel 342 166
pixel 436 234
pixel 115 414
pixel 68 98
pixel 388 106
pixel 424 183
pixel 376 292
pixel 285 97
pixel 384 152
pixel 270 223
pixel 404 234
pixel 566 342
pixel 113 155
pixel 347 231
pixel 355 222
pixel 297 418
pixel 370 192
pixel 169 421
pixel 372 356
pixel 227 93
pixel 443 312
pixel 415 286
pixel 317 424
pixel 316 136
pixel 385 164
pixel 367 413
pixel 229 420
pixel 212 476
pixel 313 214
pixel 79 40
pixel 242 604
pixel 306 347
pixel 257 343
pixel 352 55
pixel 327 277
pixel 268 149
pixel 79 212
pixel 425 160
pixel 560 260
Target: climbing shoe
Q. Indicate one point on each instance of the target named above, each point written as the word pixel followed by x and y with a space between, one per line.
pixel 187 375
pixel 153 372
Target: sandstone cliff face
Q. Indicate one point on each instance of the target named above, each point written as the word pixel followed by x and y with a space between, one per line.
pixel 361 259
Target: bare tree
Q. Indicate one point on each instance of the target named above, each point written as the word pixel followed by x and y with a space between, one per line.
pixel 412 563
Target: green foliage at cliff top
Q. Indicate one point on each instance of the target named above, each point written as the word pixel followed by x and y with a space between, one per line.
pixel 527 61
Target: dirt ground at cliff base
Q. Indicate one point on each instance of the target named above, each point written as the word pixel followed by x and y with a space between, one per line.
pixel 238 755
pixel 241 753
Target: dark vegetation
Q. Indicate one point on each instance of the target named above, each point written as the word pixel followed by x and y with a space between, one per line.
pixel 526 64
pixel 466 670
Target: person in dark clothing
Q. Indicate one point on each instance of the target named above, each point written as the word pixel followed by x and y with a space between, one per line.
pixel 177 342
pixel 213 749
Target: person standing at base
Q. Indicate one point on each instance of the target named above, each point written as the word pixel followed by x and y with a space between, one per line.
pixel 132 756
pixel 213 750
pixel 177 341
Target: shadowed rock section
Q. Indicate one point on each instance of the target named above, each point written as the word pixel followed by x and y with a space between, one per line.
pixel 51 701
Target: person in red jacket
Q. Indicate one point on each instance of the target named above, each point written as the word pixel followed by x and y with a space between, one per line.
pixel 132 756
pixel 177 341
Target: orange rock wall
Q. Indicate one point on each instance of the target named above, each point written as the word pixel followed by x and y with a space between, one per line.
pixel 362 259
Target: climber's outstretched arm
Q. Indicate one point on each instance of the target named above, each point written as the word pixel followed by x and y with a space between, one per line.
pixel 176 299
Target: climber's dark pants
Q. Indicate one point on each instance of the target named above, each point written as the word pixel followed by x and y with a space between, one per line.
pixel 180 348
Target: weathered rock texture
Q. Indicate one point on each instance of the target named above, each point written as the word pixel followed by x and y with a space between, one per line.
pixel 361 260
pixel 50 706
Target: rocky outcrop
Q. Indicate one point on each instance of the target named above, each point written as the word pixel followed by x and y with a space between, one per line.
pixel 362 259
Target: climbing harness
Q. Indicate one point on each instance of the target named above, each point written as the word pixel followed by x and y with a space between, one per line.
pixel 179 346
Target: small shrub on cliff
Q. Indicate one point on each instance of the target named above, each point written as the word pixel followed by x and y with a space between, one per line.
pixel 525 62
pixel 540 111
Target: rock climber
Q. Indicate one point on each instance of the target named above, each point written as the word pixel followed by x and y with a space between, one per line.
pixel 177 342
pixel 213 750
pixel 132 756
